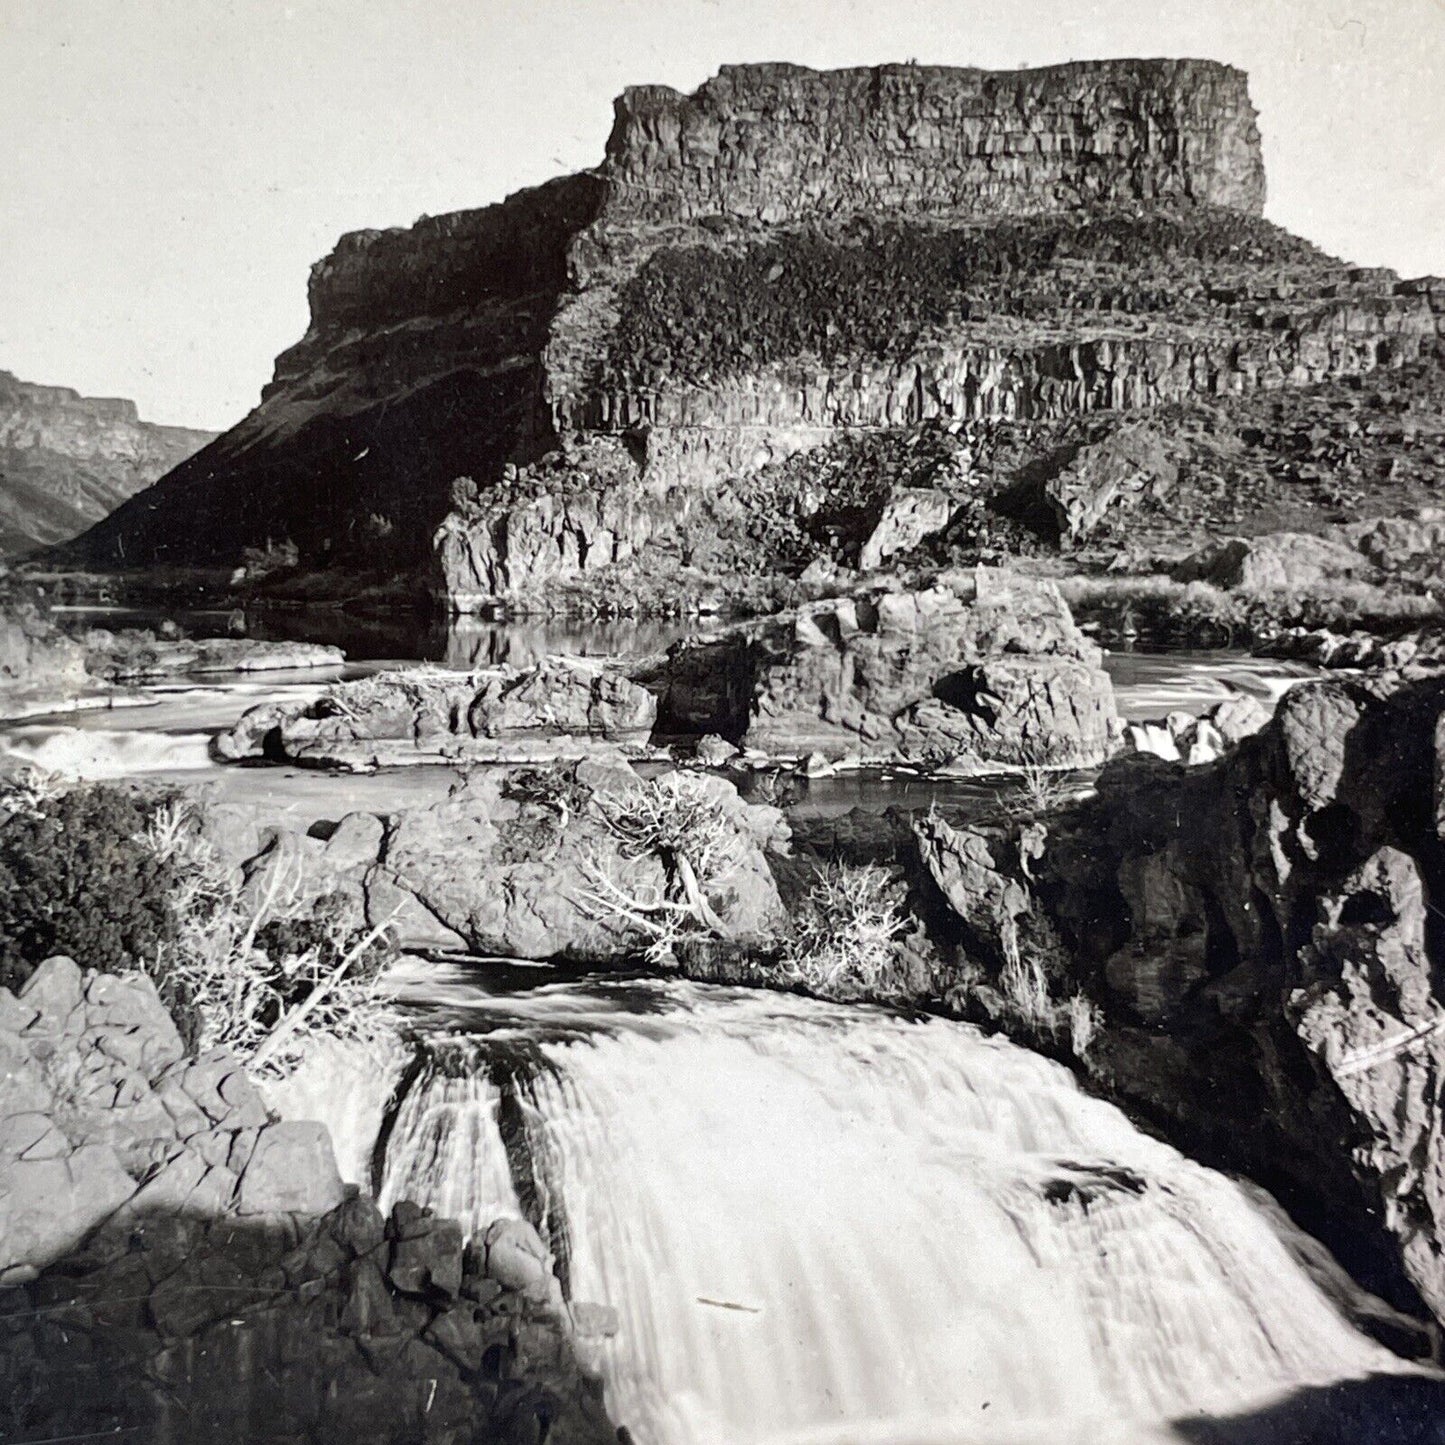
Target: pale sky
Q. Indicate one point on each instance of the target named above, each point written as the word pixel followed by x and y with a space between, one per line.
pixel 169 169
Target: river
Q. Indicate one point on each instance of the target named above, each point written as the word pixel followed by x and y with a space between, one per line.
pixel 815 1223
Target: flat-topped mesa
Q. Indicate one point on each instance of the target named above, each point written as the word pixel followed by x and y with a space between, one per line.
pixel 611 373
pixel 778 142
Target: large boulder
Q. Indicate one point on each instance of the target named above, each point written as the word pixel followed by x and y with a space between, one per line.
pixel 982 671
pixel 1392 543
pixel 1107 474
pixel 909 515
pixel 553 866
pixel 1276 562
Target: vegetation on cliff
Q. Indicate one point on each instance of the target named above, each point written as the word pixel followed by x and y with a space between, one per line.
pixel 877 289
pixel 131 882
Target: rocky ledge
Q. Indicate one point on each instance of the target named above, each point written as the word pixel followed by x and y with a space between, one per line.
pixel 142 657
pixel 43 669
pixel 1256 943
pixel 557 709
pixel 177 1262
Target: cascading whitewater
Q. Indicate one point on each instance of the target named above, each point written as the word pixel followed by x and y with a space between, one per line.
pixel 820 1223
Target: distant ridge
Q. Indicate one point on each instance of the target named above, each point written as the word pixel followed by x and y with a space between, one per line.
pixel 67 461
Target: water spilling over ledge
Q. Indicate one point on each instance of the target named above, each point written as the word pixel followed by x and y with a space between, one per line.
pixel 722 1169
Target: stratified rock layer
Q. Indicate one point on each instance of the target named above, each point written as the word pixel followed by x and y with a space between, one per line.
pixel 587 380
pixel 68 460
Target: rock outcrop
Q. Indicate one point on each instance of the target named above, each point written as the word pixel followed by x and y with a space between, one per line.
pixel 1260 937
pixel 557 708
pixel 178 1264
pixel 105 1118
pixel 984 671
pixel 39 664
pixel 565 861
pixel 614 365
pixel 68 460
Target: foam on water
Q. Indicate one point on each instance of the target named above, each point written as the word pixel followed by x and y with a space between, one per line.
pixel 95 753
pixel 831 1224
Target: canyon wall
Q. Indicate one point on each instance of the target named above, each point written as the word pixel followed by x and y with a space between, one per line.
pixel 781 261
pixel 67 460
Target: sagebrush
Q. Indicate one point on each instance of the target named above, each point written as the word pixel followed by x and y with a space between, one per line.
pixel 845 941
pixel 260 968
pixel 76 878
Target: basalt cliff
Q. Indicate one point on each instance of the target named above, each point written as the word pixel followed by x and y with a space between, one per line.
pixel 68 460
pixel 814 320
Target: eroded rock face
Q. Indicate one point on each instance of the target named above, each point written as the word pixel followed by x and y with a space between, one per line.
pixel 67 460
pixel 1106 474
pixel 1259 936
pixel 773 142
pixel 182 1267
pixel 981 671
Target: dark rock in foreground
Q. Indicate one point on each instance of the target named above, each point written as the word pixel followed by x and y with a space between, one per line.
pixel 1260 936
pixel 105 1118
pixel 330 1330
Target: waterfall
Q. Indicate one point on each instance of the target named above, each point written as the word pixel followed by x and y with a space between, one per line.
pixel 826 1224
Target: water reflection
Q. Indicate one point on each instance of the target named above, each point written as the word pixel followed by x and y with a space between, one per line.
pixel 458 642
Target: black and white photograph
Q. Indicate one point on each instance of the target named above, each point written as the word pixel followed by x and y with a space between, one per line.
pixel 722 722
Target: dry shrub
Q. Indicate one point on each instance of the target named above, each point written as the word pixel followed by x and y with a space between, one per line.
pixel 677 819
pixel 262 975
pixel 1026 994
pixel 845 940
